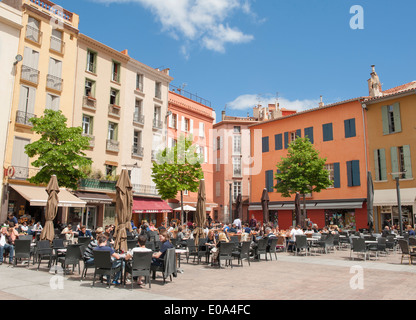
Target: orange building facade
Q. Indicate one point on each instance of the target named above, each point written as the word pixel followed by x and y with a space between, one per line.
pixel 338 132
pixel 191 115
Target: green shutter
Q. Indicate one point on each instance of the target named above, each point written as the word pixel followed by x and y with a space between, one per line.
pixel 278 142
pixel 91 126
pixel 286 140
pixel 397 120
pixel 337 176
pixel 349 173
pixel 384 114
pixel 377 175
pixel 383 169
pixel 356 180
pixel 407 162
pixel 394 160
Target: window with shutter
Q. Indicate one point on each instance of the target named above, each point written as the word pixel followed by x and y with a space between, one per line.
pixel 309 134
pixel 327 132
pixel 353 173
pixel 269 181
pixel 278 141
pixel 265 144
pixel 350 131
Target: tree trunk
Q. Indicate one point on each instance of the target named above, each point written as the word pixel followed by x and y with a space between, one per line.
pixel 304 211
pixel 182 207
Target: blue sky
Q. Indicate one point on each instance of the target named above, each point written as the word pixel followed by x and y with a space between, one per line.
pixel 239 52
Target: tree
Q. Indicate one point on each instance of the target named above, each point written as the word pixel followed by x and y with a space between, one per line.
pixel 59 150
pixel 302 171
pixel 177 169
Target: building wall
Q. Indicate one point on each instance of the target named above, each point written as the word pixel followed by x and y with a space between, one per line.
pixel 10 28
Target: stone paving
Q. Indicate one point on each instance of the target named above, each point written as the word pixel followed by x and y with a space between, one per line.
pixel 332 276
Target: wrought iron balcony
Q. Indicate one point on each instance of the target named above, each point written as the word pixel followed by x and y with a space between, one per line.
pixel 57 45
pixel 30 74
pixel 22 117
pixel 157 124
pixel 141 189
pixel 94 184
pixel 33 34
pixel 137 151
pixel 138 119
pixel 113 145
pixel 54 83
pixel 92 139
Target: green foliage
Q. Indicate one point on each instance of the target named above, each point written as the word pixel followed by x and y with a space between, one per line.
pixel 302 170
pixel 59 151
pixel 177 169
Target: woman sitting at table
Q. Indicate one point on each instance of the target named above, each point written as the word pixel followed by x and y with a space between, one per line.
pixel 215 251
pixel 211 241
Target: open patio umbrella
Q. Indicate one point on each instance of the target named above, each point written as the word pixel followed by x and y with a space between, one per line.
pixel 124 205
pixel 200 214
pixel 370 200
pixel 48 232
pixel 265 205
pixel 239 207
pixel 298 210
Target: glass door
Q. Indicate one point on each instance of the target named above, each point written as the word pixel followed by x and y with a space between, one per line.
pixel 89 218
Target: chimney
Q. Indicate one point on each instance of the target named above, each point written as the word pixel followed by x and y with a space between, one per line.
pixel 321 104
pixel 126 52
pixel 223 115
pixel 374 85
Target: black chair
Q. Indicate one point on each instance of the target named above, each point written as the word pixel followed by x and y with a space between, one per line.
pixel 103 266
pixel 271 247
pixel 150 245
pixel 235 240
pixel 261 248
pixel 404 246
pixel 226 253
pixel 301 243
pixel 391 243
pixel 85 265
pixel 44 252
pixel 192 249
pixel 84 241
pixel 412 241
pixel 72 257
pixel 26 237
pixel 168 267
pixel 359 246
pixel 140 266
pixel 22 251
pixel 57 245
pixel 242 252
pixel 131 244
pixel 326 243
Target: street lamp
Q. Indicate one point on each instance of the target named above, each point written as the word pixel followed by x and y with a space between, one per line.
pixel 399 204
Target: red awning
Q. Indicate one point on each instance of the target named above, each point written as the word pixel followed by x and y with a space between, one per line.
pixel 145 205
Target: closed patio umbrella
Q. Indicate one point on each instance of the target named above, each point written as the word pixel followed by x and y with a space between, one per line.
pixel 48 232
pixel 124 205
pixel 200 214
pixel 265 205
pixel 370 200
pixel 239 207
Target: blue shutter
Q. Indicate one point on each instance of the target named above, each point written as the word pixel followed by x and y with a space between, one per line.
pixel 352 128
pixel 337 176
pixel 327 132
pixel 269 181
pixel 349 173
pixel 265 144
pixel 349 128
pixel 298 133
pixel 278 141
pixel 356 173
pixel 309 134
pixel 286 140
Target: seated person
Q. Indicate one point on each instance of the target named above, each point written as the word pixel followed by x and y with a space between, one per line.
pixel 6 245
pixel 115 258
pixel 181 238
pixel 141 242
pixel 84 232
pixel 69 234
pixel 165 244
pixel 233 228
pixel 89 251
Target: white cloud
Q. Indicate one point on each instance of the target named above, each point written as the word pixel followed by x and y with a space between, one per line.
pixel 248 101
pixel 204 21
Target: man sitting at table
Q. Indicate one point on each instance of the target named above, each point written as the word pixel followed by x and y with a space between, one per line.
pixel 115 258
pixel 141 242
pixel 85 233
pixel 157 258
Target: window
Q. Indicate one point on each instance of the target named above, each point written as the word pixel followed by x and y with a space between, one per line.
pixel 32 30
pixel 237 144
pixel 157 112
pixel 87 125
pixel 185 125
pixel 327 132
pixel 139 82
pixel 269 181
pixel 401 161
pixel 380 165
pixel 218 143
pixel 333 170
pixel 173 121
pixel 91 61
pixel 237 167
pixel 114 96
pixel 218 165
pixel 115 76
pixel 353 173
pixel 89 88
pixel 110 171
pixel 158 90
pixel 236 189
pixel 265 144
pixel 278 142
pixel 27 100
pixel 137 143
pixel 138 111
pixel 309 134
pixel 56 41
pixel 349 128
pixel 186 193
pixel 391 119
pixel 202 129
pixel 237 129
pixel 291 136
pixel 52 102
pixel 112 131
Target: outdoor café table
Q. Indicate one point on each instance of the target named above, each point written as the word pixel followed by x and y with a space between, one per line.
pixel 178 254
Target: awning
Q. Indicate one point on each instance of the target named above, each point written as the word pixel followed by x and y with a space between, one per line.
pixel 38 197
pixel 312 205
pixel 148 205
pixel 94 198
pixel 389 197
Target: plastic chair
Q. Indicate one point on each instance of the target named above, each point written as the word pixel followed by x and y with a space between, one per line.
pixel 140 266
pixel 404 246
pixel 359 246
pixel 301 243
pixel 271 247
pixel 72 257
pixel 44 252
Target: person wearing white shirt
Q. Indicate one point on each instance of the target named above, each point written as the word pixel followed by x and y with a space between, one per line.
pixel 237 223
pixel 5 245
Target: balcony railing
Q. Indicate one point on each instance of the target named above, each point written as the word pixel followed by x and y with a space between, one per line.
pixel 33 34
pixel 30 74
pixel 115 77
pixel 22 117
pixel 237 173
pixel 138 118
pixel 92 139
pixel 137 151
pixel 157 124
pixel 52 8
pixel 95 184
pixel 141 189
pixel 113 145
pixel 57 45
pixel 21 173
pixel 114 110
pixel 89 103
pixel 54 83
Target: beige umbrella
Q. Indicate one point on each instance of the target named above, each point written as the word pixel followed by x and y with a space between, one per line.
pixel 48 232
pixel 200 215
pixel 124 205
